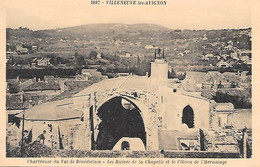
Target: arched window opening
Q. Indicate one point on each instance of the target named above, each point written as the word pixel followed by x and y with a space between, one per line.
pixel 120 117
pixel 125 145
pixel 188 116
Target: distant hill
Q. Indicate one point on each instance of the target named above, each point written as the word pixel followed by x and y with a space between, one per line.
pixel 149 27
pixel 116 27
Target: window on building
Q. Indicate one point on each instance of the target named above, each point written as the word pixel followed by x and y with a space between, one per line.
pixel 188 116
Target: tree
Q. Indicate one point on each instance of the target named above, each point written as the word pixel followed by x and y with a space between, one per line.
pixel 13 88
pixel 138 62
pixel 93 55
pixel 79 59
pixel 173 74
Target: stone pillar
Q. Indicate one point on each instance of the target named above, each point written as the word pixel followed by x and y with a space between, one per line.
pixel 245 136
pixel 87 131
pixel 96 119
pixel 152 141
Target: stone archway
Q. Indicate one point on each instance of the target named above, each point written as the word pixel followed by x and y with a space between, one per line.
pixel 125 145
pixel 188 116
pixel 120 117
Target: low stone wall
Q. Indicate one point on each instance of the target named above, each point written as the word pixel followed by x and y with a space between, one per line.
pixel 106 154
pixel 200 154
pixel 39 150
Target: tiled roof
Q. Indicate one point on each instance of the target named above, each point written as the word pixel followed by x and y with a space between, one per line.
pixel 208 93
pixel 43 59
pixel 43 86
pixel 190 87
pixel 197 77
pixel 14 102
pixel 213 74
pixel 244 72
pixel 224 106
pixel 26 83
pixel 225 78
pixel 12 81
pixel 89 70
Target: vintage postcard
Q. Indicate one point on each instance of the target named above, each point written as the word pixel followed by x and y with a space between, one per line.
pixel 129 83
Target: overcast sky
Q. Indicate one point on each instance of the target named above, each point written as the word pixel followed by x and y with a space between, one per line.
pixel 182 14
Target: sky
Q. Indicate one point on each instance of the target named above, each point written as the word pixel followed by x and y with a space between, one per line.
pixel 181 14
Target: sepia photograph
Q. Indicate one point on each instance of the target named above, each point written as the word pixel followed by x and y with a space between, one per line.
pixel 164 81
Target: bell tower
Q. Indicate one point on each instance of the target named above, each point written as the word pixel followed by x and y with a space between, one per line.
pixel 159 68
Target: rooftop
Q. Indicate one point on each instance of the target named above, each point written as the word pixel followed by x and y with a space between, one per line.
pixel 224 106
pixel 43 86
pixel 89 70
pixel 52 111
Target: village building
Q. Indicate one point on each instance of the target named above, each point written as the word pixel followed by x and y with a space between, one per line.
pixel 180 54
pixel 80 77
pixel 21 50
pixel 198 81
pixel 223 64
pixel 187 52
pixel 90 72
pixel 127 55
pixel 235 55
pixel 245 53
pixel 148 47
pixel 205 37
pixel 9 52
pixel 34 47
pixel 43 61
pixel 118 42
pixel 99 56
pixel 123 74
pixel 138 43
pixel 209 55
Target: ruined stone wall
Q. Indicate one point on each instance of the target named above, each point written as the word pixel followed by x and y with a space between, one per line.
pixel 214 124
pixel 176 102
pixel 146 102
pixel 241 118
pixel 73 133
pixel 13 135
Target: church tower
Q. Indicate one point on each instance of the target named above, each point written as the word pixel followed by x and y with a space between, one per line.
pixel 159 79
pixel 159 68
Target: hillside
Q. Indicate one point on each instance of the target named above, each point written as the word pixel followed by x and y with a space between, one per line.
pixel 115 27
pixel 183 48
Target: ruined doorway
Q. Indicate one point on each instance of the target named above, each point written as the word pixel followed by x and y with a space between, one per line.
pixel 120 117
pixel 188 116
pixel 125 145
